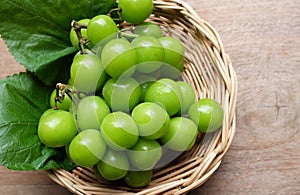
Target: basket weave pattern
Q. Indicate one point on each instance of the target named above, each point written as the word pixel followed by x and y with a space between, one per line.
pixel 208 68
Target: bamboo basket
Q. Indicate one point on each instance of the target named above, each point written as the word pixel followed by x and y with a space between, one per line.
pixel 208 68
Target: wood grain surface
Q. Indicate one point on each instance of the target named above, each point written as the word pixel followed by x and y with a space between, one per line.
pixel 262 38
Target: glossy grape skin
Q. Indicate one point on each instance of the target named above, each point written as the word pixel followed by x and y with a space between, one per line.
pixel 181 135
pixel 152 120
pixel 135 11
pixel 73 36
pixel 101 27
pixel 145 154
pixel 119 58
pixel 64 104
pixel 138 178
pixel 57 128
pixel 188 96
pixel 47 112
pixel 207 114
pixel 150 53
pixel 166 93
pixel 90 112
pixel 98 176
pixel 149 29
pixel 122 94
pixel 87 73
pixel 174 51
pixel 114 165
pixel 119 131
pixel 87 148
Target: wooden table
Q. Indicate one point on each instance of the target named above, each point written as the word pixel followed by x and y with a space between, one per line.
pixel 263 39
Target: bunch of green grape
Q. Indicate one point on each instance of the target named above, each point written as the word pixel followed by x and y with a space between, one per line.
pixel 125 106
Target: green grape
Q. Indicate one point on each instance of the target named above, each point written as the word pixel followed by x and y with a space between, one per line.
pixel 148 28
pixel 87 73
pixel 87 148
pixel 119 58
pixel 122 94
pixel 138 178
pixel 135 11
pixel 99 176
pixel 152 120
pixel 188 96
pixel 145 154
pixel 207 114
pixel 90 112
pixel 73 36
pixel 166 93
pixel 56 128
pixel 181 135
pixel 114 165
pixel 174 51
pixel 150 53
pixel 65 104
pixel 119 131
pixel 101 27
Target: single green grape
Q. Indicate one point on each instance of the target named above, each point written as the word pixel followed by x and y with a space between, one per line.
pixel 122 94
pixel 150 53
pixel 90 112
pixel 152 120
pixel 87 73
pixel 181 135
pixel 207 114
pixel 119 58
pixel 166 93
pixel 135 11
pixel 119 131
pixel 56 128
pixel 87 148
pixel 101 27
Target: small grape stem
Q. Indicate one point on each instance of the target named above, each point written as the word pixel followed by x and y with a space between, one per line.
pixel 83 41
pixel 128 33
pixel 62 90
pixel 57 98
pixel 117 9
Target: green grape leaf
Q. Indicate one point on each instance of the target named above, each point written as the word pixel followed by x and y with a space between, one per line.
pixel 23 99
pixel 37 33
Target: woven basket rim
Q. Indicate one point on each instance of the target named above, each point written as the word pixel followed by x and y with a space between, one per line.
pixel 186 175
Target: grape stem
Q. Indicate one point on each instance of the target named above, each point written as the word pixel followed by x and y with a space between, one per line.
pixel 118 10
pixel 83 41
pixel 128 33
pixel 61 91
